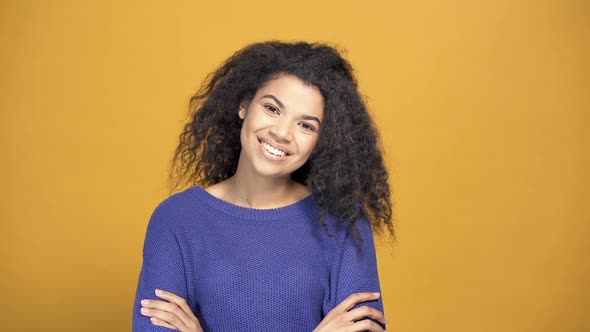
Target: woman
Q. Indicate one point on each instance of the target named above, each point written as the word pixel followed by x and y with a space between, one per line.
pixel 278 234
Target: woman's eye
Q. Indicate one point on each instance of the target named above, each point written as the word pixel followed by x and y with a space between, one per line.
pixel 307 126
pixel 271 108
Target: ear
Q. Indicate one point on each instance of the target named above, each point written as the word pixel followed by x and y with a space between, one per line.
pixel 242 111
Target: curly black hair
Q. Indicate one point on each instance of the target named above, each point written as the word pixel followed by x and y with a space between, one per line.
pixel 345 174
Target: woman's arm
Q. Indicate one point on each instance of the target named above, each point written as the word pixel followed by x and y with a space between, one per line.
pixel 363 318
pixel 355 277
pixel 162 268
pixel 174 313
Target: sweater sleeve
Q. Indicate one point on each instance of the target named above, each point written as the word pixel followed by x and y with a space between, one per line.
pixel 355 269
pixel 162 267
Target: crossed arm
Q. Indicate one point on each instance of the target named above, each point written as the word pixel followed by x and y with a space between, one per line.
pixel 174 313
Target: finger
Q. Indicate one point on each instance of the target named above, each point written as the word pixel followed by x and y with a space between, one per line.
pixel 155 304
pixel 367 325
pixel 165 317
pixel 366 312
pixel 180 301
pixel 158 322
pixel 354 299
pixel 166 307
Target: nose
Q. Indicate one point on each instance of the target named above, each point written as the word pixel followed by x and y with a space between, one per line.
pixel 281 131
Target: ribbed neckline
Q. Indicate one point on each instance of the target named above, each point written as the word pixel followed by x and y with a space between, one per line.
pixel 290 211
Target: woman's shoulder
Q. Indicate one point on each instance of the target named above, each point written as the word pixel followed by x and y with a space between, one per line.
pixel 177 207
pixel 344 233
pixel 183 198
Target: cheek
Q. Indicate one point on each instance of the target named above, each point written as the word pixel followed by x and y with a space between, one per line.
pixel 244 134
pixel 309 144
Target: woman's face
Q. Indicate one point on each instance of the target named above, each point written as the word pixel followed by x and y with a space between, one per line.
pixel 281 127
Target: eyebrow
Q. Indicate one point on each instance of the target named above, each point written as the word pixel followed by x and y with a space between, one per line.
pixel 275 99
pixel 281 105
pixel 313 118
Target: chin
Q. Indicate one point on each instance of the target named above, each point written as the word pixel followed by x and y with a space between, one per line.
pixel 270 172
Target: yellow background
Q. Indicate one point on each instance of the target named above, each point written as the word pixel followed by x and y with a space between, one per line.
pixel 483 108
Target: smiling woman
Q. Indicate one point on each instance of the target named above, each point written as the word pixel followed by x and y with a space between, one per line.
pixel 278 135
pixel 287 186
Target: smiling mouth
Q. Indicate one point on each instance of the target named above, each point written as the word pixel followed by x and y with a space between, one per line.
pixel 272 150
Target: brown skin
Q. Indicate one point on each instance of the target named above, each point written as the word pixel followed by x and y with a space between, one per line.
pixel 343 319
pixel 174 314
pixel 177 315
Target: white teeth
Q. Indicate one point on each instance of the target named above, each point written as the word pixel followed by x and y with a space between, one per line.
pixel 273 150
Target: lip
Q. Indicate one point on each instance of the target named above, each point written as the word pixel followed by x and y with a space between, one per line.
pixel 269 155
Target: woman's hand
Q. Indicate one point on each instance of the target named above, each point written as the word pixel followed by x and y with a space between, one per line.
pixel 342 319
pixel 174 314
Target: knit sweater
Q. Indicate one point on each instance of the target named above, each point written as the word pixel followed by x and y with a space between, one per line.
pixel 245 269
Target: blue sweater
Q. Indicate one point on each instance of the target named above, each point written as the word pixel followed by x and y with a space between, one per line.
pixel 244 269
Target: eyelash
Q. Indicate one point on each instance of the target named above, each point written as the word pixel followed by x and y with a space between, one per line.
pixel 272 109
pixel 309 127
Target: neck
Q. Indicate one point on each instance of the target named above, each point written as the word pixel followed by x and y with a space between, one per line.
pixel 260 192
